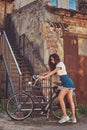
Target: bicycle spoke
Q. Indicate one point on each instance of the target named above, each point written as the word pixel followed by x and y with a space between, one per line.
pixel 19 106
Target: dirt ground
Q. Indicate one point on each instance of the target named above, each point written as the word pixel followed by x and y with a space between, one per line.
pixel 41 124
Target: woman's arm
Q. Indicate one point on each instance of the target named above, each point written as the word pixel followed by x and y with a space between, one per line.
pixel 50 73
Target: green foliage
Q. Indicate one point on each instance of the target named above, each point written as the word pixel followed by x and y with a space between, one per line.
pixel 81 110
pixel 2 106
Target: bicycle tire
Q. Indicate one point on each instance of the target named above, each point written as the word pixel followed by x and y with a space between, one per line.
pixel 56 109
pixel 20 106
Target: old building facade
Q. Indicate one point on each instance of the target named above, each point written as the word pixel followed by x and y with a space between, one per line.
pixel 56 30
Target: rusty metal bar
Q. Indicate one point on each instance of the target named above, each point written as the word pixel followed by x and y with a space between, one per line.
pixel 11 62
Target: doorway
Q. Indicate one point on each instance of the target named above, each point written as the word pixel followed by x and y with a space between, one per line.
pixel 75 58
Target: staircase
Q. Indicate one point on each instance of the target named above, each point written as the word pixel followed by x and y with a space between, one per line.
pixel 26 70
pixel 19 67
pixel 17 71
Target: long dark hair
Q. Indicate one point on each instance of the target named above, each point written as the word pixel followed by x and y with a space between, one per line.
pixel 56 59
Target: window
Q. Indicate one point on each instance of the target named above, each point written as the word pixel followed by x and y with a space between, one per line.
pixel 72 4
pixel 67 4
pixel 54 2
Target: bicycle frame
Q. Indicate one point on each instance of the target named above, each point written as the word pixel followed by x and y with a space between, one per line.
pixel 44 105
pixel 25 102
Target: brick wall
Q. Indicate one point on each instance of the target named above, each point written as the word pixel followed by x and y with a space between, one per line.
pixel 2 80
pixel 4 9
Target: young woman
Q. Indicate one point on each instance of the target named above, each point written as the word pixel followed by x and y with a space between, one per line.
pixel 57 66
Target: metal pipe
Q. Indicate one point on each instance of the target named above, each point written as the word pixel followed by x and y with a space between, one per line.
pixel 20 73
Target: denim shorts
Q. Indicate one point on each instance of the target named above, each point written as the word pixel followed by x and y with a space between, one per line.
pixel 67 82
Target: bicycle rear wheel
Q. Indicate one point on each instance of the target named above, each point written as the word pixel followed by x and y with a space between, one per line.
pixel 20 106
pixel 56 109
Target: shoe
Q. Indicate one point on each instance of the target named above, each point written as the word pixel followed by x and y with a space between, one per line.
pixel 73 120
pixel 64 119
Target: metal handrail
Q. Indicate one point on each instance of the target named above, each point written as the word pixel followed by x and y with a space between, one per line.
pixel 20 73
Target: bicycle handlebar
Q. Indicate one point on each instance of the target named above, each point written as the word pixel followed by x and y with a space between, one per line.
pixel 35 78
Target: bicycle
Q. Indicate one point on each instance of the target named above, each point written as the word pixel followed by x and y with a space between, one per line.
pixel 23 104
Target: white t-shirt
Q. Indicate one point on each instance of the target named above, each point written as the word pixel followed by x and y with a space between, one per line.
pixel 63 69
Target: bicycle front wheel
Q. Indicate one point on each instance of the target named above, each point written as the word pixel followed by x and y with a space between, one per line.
pixel 20 106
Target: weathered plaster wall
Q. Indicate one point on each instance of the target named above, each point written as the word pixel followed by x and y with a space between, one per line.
pixel 29 20
pixel 20 3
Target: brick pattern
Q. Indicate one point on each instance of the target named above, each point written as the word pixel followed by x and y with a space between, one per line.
pixel 4 9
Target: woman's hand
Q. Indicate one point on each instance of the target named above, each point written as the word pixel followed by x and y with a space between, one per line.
pixel 42 77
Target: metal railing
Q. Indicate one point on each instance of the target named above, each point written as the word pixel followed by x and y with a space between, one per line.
pixel 11 63
pixel 10 49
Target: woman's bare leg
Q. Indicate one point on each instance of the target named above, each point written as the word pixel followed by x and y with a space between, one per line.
pixel 71 102
pixel 61 96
